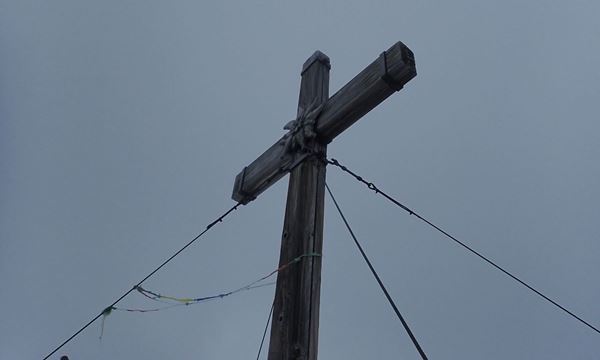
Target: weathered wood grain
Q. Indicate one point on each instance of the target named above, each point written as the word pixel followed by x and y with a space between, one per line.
pixel 368 89
pixel 295 324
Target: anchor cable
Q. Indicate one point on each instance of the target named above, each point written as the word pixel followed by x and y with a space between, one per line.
pixel 265 332
pixel 104 311
pixel 372 186
pixel 387 295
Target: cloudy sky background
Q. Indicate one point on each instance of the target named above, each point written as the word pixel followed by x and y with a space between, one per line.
pixel 124 123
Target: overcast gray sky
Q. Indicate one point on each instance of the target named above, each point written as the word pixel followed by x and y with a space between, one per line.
pixel 124 123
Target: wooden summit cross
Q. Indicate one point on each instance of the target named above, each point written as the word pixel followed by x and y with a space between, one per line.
pixel 295 325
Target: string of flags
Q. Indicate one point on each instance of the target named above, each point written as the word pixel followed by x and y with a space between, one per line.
pixel 172 301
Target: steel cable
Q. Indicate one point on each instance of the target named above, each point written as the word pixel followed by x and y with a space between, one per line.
pixel 372 186
pixel 208 227
pixel 387 295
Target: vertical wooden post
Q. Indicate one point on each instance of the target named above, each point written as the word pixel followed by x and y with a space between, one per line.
pixel 295 326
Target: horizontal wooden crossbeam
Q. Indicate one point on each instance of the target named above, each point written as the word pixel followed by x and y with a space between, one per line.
pixel 387 74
